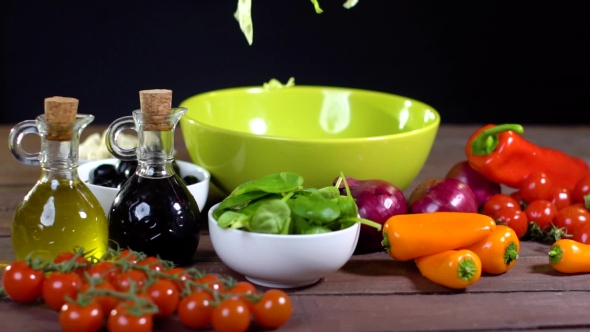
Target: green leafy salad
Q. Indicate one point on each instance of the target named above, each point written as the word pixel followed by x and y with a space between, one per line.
pixel 279 204
pixel 243 15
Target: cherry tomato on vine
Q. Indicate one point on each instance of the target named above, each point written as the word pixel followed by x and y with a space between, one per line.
pixel 536 186
pixel 181 274
pixel 154 263
pixel 513 218
pixel 165 296
pixel 273 310
pixel 128 256
pixel 107 302
pixel 68 256
pixel 582 234
pixel 123 280
pixel 103 270
pixel 571 218
pixel 231 315
pixel 195 310
pixel 212 282
pixel 241 290
pixel 76 318
pixel 542 213
pixel 22 283
pixel 121 320
pixel 498 201
pixel 581 189
pixel 561 198
pixel 57 286
pixel 518 197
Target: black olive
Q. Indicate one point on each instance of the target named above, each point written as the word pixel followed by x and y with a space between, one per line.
pixel 126 168
pixel 100 181
pixel 190 179
pixel 176 168
pixel 105 171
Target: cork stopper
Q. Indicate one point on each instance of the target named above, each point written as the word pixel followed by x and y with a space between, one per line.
pixel 155 105
pixel 60 114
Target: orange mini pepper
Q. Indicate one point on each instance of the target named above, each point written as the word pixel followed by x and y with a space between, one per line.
pixel 569 256
pixel 502 155
pixel 408 236
pixel 499 251
pixel 452 268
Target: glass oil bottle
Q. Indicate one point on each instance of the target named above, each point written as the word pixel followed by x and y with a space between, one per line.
pixel 153 212
pixel 59 213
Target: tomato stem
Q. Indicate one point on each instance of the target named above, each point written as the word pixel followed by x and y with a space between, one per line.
pixel 555 254
pixel 466 269
pixel 511 253
pixel 487 141
pixel 2 292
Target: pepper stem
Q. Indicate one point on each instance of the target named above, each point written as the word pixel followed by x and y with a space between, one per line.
pixel 487 141
pixel 385 242
pixel 466 269
pixel 511 253
pixel 555 255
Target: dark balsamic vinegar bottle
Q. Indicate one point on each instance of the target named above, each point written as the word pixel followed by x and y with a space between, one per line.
pixel 153 212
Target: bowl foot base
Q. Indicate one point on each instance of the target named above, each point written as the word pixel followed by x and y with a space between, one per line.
pixel 275 284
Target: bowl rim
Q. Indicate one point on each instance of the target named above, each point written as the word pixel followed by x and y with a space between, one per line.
pixel 206 174
pixel 256 90
pixel 288 237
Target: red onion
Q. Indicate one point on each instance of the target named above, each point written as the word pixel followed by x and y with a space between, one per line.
pixel 377 200
pixel 442 195
pixel 479 184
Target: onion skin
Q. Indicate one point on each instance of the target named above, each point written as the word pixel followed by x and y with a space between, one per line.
pixel 479 184
pixel 444 195
pixel 377 200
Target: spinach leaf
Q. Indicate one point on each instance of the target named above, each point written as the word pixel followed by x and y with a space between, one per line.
pixel 273 183
pixel 315 208
pixel 328 192
pixel 316 230
pixel 299 224
pixel 231 219
pixel 270 217
pixel 240 200
pixel 348 207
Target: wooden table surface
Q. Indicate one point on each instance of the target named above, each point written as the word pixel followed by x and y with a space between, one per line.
pixel 373 292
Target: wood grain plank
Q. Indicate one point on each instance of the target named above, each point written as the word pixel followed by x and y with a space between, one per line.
pixel 462 312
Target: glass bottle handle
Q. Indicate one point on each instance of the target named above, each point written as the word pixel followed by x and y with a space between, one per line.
pixel 15 139
pixel 113 132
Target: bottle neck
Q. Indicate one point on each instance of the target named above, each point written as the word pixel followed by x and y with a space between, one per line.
pixel 59 159
pixel 155 153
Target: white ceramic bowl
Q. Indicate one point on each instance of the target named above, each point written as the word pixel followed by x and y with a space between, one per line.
pixel 106 195
pixel 282 261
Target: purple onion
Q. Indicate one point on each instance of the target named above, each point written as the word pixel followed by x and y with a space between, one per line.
pixel 479 184
pixel 377 200
pixel 448 194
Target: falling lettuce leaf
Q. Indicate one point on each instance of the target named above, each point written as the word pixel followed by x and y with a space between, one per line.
pixel 275 84
pixel 243 15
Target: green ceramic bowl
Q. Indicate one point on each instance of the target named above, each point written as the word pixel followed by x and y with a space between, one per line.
pixel 241 134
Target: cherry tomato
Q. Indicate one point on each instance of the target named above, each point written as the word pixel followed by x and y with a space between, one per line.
pixel 76 318
pixel 498 201
pixel 241 290
pixel 164 294
pixel 581 189
pixel 571 218
pixel 123 281
pixel 561 198
pixel 195 310
pixel 518 197
pixel 179 273
pixel 274 309
pixel 513 218
pixel 22 283
pixel 582 234
pixel 231 315
pixel 128 256
pixel 121 320
pixel 542 213
pixel 103 270
pixel 107 302
pixel 212 282
pixel 154 263
pixel 536 186
pixel 58 286
pixel 68 256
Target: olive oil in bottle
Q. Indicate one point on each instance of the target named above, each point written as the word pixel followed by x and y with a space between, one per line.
pixel 153 212
pixel 59 213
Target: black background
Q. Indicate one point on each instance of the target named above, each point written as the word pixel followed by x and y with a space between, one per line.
pixel 473 61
